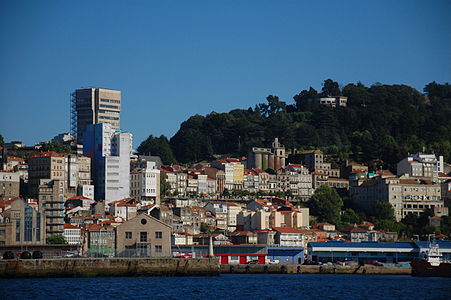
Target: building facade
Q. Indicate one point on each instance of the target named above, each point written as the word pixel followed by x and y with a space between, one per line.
pixel 406 195
pixel 94 106
pixel 143 236
pixel 110 151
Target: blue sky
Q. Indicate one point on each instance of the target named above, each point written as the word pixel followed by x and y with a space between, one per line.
pixel 173 59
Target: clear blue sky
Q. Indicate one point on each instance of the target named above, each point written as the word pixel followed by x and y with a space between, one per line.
pixel 173 59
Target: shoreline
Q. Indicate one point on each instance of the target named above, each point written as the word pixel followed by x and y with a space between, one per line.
pixel 111 267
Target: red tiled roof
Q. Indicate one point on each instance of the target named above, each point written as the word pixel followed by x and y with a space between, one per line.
pixel 48 154
pixel 287 230
pixel 12 158
pixel 70 226
pixel 78 198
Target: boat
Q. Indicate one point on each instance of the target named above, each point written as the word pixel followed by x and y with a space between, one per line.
pixel 431 264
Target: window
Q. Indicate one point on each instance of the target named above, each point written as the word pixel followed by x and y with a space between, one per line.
pixel 158 235
pixel 128 235
pixel 158 248
pixel 143 237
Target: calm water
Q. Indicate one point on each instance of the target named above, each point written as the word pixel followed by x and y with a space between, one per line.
pixel 230 286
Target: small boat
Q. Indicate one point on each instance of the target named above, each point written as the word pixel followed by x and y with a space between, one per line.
pixel 432 263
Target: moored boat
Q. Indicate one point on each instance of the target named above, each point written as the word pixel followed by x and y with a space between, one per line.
pixel 432 264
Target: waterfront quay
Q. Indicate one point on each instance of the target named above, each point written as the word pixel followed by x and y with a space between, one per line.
pixel 97 267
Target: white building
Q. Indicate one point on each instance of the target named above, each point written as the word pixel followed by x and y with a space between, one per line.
pixel 145 183
pixel 110 152
pixel 72 234
pixel 420 165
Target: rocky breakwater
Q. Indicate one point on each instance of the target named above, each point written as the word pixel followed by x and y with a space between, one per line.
pixel 90 267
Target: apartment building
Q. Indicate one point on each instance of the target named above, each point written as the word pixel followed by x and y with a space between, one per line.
pixel 110 151
pixel 405 194
pixel 9 185
pixel 421 165
pixel 145 183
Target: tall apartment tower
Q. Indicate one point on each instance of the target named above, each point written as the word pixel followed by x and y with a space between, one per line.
pixel 110 151
pixel 94 106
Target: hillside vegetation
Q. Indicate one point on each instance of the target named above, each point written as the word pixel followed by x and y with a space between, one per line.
pixel 379 126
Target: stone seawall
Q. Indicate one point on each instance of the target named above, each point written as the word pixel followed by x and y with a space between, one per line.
pixel 90 267
pixel 314 269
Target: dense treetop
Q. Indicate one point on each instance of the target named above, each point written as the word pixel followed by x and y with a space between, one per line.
pixel 379 126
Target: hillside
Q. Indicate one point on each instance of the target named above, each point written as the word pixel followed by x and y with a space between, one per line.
pixel 379 126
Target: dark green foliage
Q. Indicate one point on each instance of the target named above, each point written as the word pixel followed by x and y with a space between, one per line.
pixel 165 186
pixel 326 204
pixel 55 146
pixel 57 239
pixel 158 146
pixel 384 211
pixel 2 142
pixel 380 125
pixel 349 216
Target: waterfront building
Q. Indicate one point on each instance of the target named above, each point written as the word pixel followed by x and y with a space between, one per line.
pixel 22 224
pixel 143 236
pixel 94 106
pixel 72 234
pixel 390 252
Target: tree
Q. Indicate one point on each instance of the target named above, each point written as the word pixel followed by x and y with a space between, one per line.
pixel 56 147
pixel 57 239
pixel 165 187
pixel 205 228
pixel 349 216
pixel 326 204
pixel 330 88
pixel 384 211
pixel 2 141
pixel 158 146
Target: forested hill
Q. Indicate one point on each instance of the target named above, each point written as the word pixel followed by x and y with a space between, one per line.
pixel 379 126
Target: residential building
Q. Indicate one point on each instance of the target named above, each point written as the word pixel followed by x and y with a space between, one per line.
pixel 226 213
pixel 145 183
pixel 94 106
pixel 52 195
pixel 333 101
pixel 234 172
pixel 73 170
pixel 72 234
pixel 125 208
pixel 143 236
pixel 101 240
pixel 110 151
pixel 421 165
pixel 9 185
pixel 405 194
pixel 314 160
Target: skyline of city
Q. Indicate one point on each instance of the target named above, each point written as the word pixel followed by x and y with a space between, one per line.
pixel 178 60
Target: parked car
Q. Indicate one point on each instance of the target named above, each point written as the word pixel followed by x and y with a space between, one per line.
pixel 273 262
pixel 252 262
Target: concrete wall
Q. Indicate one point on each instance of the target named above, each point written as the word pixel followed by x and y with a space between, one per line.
pixel 90 267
